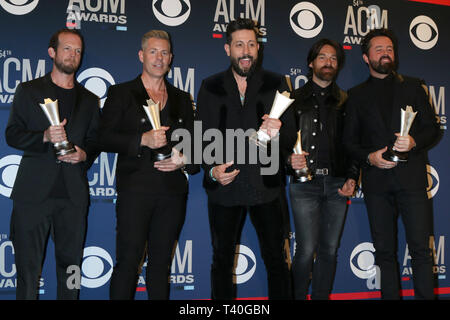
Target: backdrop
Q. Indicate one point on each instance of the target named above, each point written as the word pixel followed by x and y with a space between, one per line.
pixel 112 31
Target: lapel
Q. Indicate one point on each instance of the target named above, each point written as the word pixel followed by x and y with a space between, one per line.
pixel 232 91
pixel 373 111
pixel 48 91
pixel 397 103
pixel 254 84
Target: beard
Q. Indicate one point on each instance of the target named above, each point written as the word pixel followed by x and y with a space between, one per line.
pixel 383 68
pixel 326 73
pixel 67 68
pixel 243 72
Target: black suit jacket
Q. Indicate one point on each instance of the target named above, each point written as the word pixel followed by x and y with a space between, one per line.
pixel 219 107
pixel 365 132
pixel 122 124
pixel 39 167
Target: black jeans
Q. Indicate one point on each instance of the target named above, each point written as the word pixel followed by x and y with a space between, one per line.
pixel 416 213
pixel 319 214
pixel 226 225
pixel 143 219
pixel 31 225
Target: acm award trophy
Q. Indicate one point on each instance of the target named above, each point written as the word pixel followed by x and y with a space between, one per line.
pixel 280 103
pixel 152 111
pixel 304 174
pixel 406 117
pixel 51 110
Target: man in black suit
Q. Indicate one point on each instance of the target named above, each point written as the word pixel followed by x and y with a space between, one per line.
pixel 240 98
pixel 152 195
pixel 392 188
pixel 51 194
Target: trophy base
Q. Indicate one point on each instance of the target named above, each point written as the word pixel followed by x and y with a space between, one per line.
pixel 63 148
pixel 396 156
pixel 160 154
pixel 301 176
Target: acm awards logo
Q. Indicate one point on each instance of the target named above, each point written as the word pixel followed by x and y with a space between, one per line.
pixel 360 20
pixel 19 7
pixel 15 71
pixel 229 10
pixel 181 271
pixel 106 11
pixel 171 12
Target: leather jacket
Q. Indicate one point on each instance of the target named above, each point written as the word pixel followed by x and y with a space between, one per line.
pixel 306 112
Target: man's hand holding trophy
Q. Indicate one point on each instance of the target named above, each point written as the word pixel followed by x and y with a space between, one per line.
pixel 157 140
pixel 298 162
pixel 271 125
pixel 56 133
pixel 404 142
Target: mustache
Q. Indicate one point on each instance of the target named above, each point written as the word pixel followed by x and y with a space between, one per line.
pixel 385 57
pixel 247 56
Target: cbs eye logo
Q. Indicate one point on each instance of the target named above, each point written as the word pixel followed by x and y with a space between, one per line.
pixel 246 264
pixel 423 32
pixel 96 268
pixel 95 82
pixel 8 168
pixel 306 19
pixel 433 181
pixel 19 7
pixel 362 261
pixel 171 12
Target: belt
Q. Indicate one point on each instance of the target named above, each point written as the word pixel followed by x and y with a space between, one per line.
pixel 322 172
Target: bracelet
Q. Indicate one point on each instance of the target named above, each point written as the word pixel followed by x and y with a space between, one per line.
pixel 211 174
pixel 367 160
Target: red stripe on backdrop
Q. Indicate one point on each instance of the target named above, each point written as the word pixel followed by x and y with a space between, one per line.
pixel 439 2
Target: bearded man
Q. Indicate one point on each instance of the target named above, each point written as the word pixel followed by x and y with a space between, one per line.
pixel 240 98
pixel 392 188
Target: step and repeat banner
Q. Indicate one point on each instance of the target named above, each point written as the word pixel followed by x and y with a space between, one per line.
pixel 113 30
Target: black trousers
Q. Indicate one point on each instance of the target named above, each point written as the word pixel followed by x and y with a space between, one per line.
pixel 155 221
pixel 31 225
pixel 416 212
pixel 225 225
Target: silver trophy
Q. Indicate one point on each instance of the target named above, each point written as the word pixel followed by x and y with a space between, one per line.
pixel 280 104
pixel 51 110
pixel 152 111
pixel 406 117
pixel 304 174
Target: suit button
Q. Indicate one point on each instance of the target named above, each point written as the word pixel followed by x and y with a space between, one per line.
pixel 313 147
pixel 313 133
pixel 142 120
pixel 315 120
pixel 316 106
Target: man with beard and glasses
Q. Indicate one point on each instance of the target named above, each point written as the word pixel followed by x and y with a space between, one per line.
pixel 393 188
pixel 51 193
pixel 319 206
pixel 240 98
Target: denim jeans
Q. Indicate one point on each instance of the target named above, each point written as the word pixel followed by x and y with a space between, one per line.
pixel 319 214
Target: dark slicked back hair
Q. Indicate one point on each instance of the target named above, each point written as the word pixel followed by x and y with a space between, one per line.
pixel 240 24
pixel 54 40
pixel 383 32
pixel 315 50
